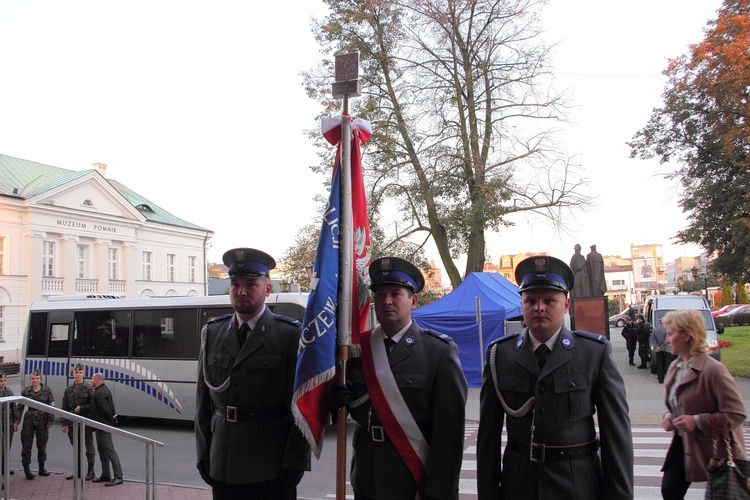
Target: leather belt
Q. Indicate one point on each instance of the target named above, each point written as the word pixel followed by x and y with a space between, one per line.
pixel 376 429
pixel 549 453
pixel 232 414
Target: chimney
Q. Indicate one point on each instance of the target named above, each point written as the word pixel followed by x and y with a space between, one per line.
pixel 101 168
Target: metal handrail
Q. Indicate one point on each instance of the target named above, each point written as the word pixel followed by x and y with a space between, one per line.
pixel 79 433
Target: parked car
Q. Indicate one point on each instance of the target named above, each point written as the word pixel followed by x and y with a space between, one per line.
pixel 632 311
pixel 725 309
pixel 737 316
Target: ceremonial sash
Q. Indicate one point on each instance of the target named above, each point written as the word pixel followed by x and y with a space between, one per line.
pixel 391 408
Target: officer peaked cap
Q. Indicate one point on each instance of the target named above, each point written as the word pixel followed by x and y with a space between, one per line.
pixel 543 271
pixel 248 263
pixel 395 271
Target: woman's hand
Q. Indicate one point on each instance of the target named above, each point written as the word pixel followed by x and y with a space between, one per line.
pixel 685 423
pixel 667 423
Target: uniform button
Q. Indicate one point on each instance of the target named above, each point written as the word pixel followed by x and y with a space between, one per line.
pixel 408 382
pixel 543 411
pixel 572 384
pixel 541 388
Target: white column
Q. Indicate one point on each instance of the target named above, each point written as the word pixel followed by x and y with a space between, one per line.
pixel 131 269
pixel 68 263
pixel 101 264
pixel 33 265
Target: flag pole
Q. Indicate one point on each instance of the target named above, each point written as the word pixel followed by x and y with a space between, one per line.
pixel 346 84
pixel 344 313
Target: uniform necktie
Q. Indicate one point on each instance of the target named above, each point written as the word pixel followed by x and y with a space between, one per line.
pixel 389 343
pixel 243 333
pixel 541 355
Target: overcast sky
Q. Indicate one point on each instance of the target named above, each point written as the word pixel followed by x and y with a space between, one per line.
pixel 199 107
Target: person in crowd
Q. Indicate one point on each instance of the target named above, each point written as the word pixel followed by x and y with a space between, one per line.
pixel 664 357
pixel 103 410
pixel 631 340
pixel 247 443
pixel 36 423
pixel 13 424
pixel 642 334
pixel 407 394
pixel 544 385
pixel 697 387
pixel 77 399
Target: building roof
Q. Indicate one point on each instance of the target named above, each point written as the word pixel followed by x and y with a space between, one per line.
pixel 25 179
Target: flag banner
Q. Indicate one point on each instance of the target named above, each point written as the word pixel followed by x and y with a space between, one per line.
pixel 316 356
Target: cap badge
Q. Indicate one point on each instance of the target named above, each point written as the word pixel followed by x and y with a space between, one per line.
pixel 540 264
pixel 239 254
pixel 385 265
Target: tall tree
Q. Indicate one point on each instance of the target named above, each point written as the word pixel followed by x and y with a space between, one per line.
pixel 459 95
pixel 703 127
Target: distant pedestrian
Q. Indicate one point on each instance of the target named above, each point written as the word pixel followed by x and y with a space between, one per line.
pixel 663 351
pixel 13 425
pixel 629 333
pixel 642 332
pixel 77 399
pixel 103 410
pixel 35 423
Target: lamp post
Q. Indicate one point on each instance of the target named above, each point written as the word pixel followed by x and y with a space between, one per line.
pixel 694 270
pixel 309 269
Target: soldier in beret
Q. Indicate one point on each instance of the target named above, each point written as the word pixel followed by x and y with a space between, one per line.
pixel 407 394
pixel 247 443
pixel 77 399
pixel 548 382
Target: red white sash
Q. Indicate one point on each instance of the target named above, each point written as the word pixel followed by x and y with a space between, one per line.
pixel 391 408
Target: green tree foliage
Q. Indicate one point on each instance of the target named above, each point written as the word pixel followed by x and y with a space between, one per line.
pixel 703 127
pixel 727 297
pixel 459 95
pixel 741 293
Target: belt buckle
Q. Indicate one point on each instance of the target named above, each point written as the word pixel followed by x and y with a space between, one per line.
pixel 377 433
pixel 231 414
pixel 537 453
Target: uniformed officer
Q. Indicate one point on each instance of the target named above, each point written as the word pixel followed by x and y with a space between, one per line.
pixel 77 399
pixel 13 424
pixel 35 423
pixel 407 394
pixel 549 382
pixel 247 443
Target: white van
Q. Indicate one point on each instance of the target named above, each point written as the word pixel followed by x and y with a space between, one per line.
pixel 656 306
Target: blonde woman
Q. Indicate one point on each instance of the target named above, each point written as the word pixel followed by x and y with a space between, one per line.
pixel 696 387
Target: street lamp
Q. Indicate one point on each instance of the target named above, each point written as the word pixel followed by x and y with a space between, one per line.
pixel 694 270
pixel 309 268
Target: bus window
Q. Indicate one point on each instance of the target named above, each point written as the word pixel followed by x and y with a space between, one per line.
pixel 208 313
pixel 165 333
pixel 37 334
pixel 101 333
pixel 58 340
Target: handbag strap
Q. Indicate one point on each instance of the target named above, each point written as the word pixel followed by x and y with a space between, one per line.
pixel 725 434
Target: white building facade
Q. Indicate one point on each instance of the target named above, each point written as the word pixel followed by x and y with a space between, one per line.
pixel 66 232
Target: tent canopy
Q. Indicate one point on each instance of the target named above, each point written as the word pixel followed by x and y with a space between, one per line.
pixel 456 315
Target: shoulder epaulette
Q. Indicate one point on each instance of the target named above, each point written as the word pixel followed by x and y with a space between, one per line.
pixel 287 319
pixel 505 337
pixel 218 318
pixel 445 338
pixel 592 336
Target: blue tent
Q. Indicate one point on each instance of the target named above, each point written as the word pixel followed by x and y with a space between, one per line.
pixel 456 314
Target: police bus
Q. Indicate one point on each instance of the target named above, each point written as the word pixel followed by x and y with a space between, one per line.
pixel 146 348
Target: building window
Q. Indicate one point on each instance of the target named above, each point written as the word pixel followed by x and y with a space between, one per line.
pixel 191 268
pixel 81 262
pixel 48 259
pixel 2 255
pixel 171 258
pixel 147 256
pixel 112 263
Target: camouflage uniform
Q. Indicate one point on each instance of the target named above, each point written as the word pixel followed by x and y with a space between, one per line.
pixel 36 422
pixel 4 393
pixel 80 395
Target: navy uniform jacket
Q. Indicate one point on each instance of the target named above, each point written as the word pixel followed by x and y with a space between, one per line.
pixel 580 378
pixel 264 439
pixel 428 373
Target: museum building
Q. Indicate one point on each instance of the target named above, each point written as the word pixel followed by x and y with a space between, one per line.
pixel 66 233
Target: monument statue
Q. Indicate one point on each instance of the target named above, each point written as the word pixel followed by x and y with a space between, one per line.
pixel 581 283
pixel 595 268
